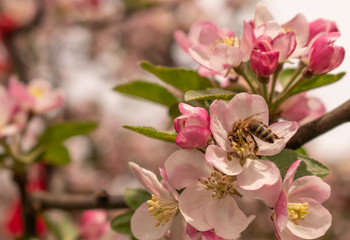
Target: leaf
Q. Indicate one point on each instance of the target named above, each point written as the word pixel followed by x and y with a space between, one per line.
pixel 121 223
pixel 57 155
pixel 57 133
pixel 182 79
pixel 153 133
pixel 174 111
pixel 307 167
pixel 147 90
pixel 317 81
pixel 285 76
pixel 135 197
pixel 209 94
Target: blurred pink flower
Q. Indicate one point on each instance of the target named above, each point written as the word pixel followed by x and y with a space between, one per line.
pixel 93 224
pixel 193 127
pixel 299 213
pixel 207 203
pixel 38 96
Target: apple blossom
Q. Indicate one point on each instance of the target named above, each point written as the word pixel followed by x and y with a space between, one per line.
pixel 207 202
pixel 299 213
pixel 154 218
pixel 93 224
pixel 193 127
pixel 324 56
pixel 38 96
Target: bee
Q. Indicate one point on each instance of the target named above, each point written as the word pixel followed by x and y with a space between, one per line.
pixel 251 127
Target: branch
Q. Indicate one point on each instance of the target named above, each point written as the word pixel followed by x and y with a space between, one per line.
pixel 45 200
pixel 321 125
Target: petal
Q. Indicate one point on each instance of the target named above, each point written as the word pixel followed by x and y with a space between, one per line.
pixel 309 187
pixel 143 225
pixel 257 173
pixel 224 57
pixel 300 26
pixel 185 166
pixel 316 223
pixel 181 39
pixel 262 15
pixel 178 228
pixel 149 180
pixel 221 160
pixel 226 218
pixel 317 109
pixel 193 136
pixel 287 234
pixel 289 177
pixel 280 214
pixel 192 203
pixel 284 130
pixel 201 54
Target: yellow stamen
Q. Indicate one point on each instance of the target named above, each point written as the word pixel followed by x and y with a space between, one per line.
pixel 229 41
pixel 241 144
pixel 162 209
pixel 220 183
pixel 37 92
pixel 297 211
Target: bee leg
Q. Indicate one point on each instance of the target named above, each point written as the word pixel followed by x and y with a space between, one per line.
pixel 277 137
pixel 256 147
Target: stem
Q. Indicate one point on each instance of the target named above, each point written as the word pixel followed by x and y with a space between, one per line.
pixel 295 75
pixel 264 90
pixel 241 71
pixel 274 80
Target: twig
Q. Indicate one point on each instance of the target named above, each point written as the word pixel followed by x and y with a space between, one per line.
pixel 45 200
pixel 321 125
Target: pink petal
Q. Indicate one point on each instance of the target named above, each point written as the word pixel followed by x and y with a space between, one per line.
pixel 181 39
pixel 296 107
pixel 201 54
pixel 284 130
pixel 309 187
pixel 257 173
pixel 143 226
pixel 20 92
pixel 262 15
pixel 178 229
pixel 300 26
pixel 192 203
pixel 226 218
pixel 224 57
pixel 280 216
pixel 289 177
pixel 185 166
pixel 317 110
pixel 247 41
pixel 316 223
pixel 220 159
pixel 149 181
pixel 193 136
pixel 285 44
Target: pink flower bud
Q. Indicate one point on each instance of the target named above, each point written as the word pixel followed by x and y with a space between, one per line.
pixel 324 56
pixel 193 126
pixel 321 26
pixel 93 224
pixel 263 59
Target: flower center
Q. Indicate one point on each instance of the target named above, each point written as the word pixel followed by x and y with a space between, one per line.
pixel 162 209
pixel 229 41
pixel 36 92
pixel 242 143
pixel 297 211
pixel 220 183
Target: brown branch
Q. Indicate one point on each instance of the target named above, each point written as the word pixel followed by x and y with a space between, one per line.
pixel 321 125
pixel 45 200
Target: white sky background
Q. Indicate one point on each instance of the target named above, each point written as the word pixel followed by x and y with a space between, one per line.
pixel 334 145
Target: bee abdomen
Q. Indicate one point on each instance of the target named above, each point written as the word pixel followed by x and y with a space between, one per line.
pixel 263 132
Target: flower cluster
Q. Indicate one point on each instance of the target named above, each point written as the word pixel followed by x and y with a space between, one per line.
pixel 228 167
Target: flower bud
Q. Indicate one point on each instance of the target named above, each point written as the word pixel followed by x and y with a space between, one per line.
pixel 324 56
pixel 193 126
pixel 93 224
pixel 321 26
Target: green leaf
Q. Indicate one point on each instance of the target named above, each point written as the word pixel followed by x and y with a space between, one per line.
pixel 121 223
pixel 135 197
pixel 182 79
pixel 174 111
pixel 307 167
pixel 57 133
pixel 57 155
pixel 317 81
pixel 147 90
pixel 209 94
pixel 285 76
pixel 153 133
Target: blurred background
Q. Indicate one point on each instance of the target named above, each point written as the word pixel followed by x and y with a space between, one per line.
pixel 87 47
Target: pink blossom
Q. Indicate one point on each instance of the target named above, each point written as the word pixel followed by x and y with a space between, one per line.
pixel 193 127
pixel 93 224
pixel 299 213
pixel 38 96
pixel 208 202
pixel 12 119
pixel 213 48
pixel 321 26
pixel 301 108
pixel 324 56
pixel 154 218
pixel 263 59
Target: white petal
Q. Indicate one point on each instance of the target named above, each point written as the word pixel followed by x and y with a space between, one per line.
pixel 185 166
pixel 219 158
pixel 226 218
pixel 143 225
